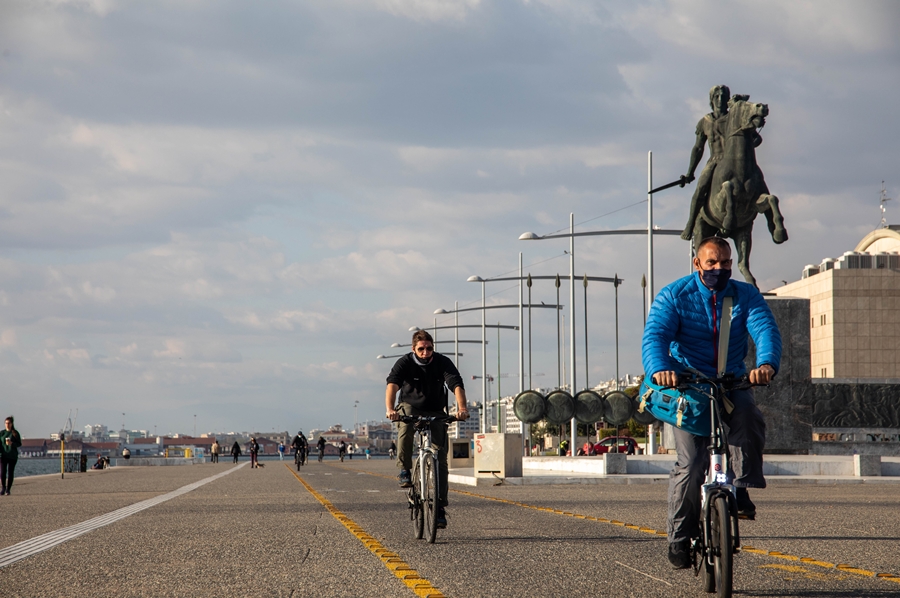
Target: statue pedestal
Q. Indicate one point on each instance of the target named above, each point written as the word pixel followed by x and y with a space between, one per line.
pixel 787 402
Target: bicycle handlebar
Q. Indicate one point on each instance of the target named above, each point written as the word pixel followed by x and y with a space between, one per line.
pixel 727 382
pixel 414 419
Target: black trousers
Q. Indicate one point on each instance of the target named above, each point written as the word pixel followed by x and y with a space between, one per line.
pixel 7 470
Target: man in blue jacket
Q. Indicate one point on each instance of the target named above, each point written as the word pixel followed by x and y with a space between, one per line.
pixel 682 332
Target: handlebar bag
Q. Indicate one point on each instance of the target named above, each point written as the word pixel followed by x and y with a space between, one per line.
pixel 686 410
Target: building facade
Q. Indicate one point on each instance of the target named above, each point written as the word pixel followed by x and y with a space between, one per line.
pixel 854 304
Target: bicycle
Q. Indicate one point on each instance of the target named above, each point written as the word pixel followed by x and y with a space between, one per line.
pixel 423 495
pixel 299 457
pixel 719 539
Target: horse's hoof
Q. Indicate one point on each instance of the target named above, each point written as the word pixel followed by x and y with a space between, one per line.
pixel 687 234
pixel 779 236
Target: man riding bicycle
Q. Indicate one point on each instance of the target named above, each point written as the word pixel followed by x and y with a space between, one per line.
pixel 300 446
pixel 420 377
pixel 682 332
pixel 321 445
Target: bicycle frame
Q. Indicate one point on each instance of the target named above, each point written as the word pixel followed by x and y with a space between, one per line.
pixel 716 483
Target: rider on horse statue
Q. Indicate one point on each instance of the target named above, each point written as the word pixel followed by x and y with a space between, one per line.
pixel 731 190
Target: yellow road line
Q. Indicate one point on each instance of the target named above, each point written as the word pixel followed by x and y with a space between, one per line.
pixel 391 560
pixel 745 548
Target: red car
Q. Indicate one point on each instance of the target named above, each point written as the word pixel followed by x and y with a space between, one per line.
pixel 625 444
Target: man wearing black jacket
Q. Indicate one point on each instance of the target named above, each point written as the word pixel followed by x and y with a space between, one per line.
pixel 420 377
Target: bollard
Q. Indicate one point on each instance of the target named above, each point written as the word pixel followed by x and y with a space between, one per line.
pixel 615 463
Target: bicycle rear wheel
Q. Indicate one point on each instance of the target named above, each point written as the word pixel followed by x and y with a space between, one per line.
pixel 430 499
pixel 417 511
pixel 723 554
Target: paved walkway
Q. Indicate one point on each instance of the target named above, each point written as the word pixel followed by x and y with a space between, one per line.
pixel 343 530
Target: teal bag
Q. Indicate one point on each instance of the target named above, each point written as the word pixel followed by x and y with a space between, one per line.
pixel 686 410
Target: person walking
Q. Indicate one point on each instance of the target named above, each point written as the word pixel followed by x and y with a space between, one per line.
pixel 254 453
pixel 214 451
pixel 392 452
pixel 682 332
pixel 342 450
pixel 235 451
pixel 10 441
pixel 281 451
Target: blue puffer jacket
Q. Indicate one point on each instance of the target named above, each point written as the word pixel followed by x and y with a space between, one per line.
pixel 679 330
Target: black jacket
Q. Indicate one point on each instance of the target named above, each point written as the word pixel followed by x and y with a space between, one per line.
pixel 423 386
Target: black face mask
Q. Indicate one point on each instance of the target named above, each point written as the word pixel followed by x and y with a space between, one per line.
pixel 716 279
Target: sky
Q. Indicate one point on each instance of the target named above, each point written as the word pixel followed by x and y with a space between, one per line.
pixel 217 213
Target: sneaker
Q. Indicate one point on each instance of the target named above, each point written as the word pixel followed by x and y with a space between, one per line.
pixel 405 479
pixel 441 518
pixel 680 554
pixel 745 506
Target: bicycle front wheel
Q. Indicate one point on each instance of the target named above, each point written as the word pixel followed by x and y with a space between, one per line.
pixel 723 548
pixel 416 503
pixel 430 499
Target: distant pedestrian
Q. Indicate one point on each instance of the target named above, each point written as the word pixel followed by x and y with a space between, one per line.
pixel 214 452
pixel 321 445
pixel 126 454
pixel 235 451
pixel 281 451
pixel 392 452
pixel 10 441
pixel 368 453
pixel 254 453
pixel 342 450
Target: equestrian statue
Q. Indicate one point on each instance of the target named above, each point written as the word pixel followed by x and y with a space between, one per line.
pixel 731 189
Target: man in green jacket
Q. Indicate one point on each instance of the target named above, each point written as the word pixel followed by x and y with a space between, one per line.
pixel 10 441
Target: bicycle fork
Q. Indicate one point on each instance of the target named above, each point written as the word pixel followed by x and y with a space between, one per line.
pixel 717 485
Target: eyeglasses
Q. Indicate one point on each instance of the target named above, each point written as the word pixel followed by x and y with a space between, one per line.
pixel 427 349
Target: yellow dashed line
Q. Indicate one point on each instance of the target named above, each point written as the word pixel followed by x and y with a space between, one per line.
pixel 391 560
pixel 772 553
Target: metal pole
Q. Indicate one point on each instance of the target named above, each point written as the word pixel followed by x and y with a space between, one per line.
pixel 484 384
pixel 521 333
pixel 456 331
pixel 587 370
pixel 650 295
pixel 616 284
pixel 559 375
pixel 572 318
pixel 522 346
pixel 530 377
pixel 500 427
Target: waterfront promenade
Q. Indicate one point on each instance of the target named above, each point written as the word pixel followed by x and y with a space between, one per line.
pixel 342 529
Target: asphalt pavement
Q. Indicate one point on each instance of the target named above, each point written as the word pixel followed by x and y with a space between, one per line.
pixel 343 529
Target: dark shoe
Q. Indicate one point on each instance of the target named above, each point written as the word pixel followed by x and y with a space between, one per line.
pixel 441 518
pixel 405 479
pixel 745 506
pixel 680 554
pixel 2 491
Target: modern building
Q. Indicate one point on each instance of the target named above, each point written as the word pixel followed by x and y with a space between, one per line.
pixel 854 306
pixel 467 429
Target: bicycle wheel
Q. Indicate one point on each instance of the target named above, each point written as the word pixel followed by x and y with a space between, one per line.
pixel 417 513
pixel 723 549
pixel 430 499
pixel 298 460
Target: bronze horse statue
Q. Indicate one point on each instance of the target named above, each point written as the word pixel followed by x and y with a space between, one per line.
pixel 738 191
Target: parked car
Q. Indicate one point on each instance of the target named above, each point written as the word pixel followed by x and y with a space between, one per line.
pixel 625 444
